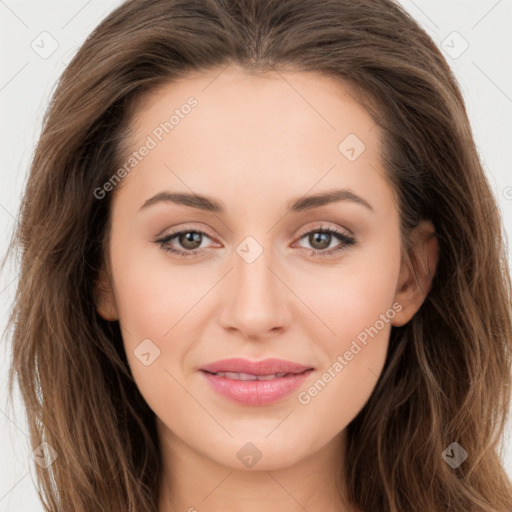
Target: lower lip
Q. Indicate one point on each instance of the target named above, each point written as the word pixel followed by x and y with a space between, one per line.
pixel 256 392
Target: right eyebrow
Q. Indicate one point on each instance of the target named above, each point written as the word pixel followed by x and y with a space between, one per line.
pixel 186 199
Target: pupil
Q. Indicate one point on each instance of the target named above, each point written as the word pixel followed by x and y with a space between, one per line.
pixel 190 240
pixel 317 237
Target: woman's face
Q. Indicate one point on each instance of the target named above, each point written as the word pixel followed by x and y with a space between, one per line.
pixel 244 159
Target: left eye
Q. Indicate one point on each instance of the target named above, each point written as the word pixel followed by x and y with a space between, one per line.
pixel 191 240
pixel 323 236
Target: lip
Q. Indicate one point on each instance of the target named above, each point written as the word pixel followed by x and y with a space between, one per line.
pixel 264 367
pixel 255 392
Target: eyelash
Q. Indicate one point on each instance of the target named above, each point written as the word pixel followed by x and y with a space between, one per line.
pixel 346 239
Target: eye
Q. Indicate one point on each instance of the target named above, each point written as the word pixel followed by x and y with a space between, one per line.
pixel 188 239
pixel 320 239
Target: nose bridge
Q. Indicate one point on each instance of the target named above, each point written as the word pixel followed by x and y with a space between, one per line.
pixel 256 300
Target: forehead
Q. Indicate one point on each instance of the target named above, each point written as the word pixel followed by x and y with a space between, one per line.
pixel 240 132
pixel 233 98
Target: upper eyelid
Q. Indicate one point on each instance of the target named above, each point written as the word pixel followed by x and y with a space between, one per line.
pixel 324 225
pixel 298 237
pixel 181 229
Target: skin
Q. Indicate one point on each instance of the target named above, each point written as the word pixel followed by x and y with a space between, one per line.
pixel 255 143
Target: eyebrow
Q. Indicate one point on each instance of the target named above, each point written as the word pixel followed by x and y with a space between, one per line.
pixel 297 205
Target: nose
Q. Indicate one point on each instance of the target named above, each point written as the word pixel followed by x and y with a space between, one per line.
pixel 256 304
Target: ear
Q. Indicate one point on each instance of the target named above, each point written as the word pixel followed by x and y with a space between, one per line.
pixel 106 304
pixel 416 272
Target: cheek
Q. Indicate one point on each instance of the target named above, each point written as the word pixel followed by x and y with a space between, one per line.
pixel 353 358
pixel 355 295
pixel 154 304
pixel 358 309
pixel 152 294
pixel 161 314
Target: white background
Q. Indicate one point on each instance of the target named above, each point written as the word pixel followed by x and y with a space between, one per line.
pixel 484 72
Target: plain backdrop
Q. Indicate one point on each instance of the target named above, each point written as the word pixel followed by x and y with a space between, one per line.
pixel 38 39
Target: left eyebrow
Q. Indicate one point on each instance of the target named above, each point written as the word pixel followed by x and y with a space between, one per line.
pixel 323 198
pixel 297 205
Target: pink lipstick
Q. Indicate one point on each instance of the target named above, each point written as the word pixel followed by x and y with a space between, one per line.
pixel 255 383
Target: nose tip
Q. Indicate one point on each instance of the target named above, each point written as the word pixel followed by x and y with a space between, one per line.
pixel 256 304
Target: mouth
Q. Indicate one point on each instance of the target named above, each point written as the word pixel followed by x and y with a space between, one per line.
pixel 265 368
pixel 250 376
pixel 257 387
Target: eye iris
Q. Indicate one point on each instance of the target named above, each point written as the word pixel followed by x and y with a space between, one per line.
pixel 190 240
pixel 323 238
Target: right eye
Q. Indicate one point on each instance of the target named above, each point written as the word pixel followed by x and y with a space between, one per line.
pixel 187 238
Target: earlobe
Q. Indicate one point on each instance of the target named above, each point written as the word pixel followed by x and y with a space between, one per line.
pixel 106 304
pixel 417 272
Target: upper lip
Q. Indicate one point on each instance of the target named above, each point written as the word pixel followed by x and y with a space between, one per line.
pixel 265 367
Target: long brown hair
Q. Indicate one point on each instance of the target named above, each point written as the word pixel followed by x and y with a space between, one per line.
pixel 447 374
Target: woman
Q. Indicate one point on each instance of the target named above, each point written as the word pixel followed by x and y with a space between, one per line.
pixel 177 345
